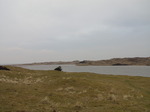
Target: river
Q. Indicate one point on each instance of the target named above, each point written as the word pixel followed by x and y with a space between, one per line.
pixel 113 70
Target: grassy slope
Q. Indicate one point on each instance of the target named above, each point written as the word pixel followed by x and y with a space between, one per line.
pixel 24 90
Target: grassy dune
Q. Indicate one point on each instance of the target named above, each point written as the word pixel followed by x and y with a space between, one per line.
pixel 23 90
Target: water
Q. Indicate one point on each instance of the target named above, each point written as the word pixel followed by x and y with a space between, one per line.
pixel 113 70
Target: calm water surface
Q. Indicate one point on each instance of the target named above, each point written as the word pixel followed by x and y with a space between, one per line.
pixel 114 70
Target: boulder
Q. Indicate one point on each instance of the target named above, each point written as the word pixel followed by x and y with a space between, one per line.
pixel 58 68
pixel 3 68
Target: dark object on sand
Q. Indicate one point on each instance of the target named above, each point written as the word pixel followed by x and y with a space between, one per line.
pixel 83 62
pixel 54 110
pixel 119 64
pixel 3 68
pixel 58 68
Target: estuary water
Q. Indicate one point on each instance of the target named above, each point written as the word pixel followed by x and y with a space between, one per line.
pixel 113 70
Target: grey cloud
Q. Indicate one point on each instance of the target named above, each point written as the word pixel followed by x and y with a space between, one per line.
pixel 74 27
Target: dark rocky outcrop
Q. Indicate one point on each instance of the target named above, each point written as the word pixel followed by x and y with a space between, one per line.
pixel 3 68
pixel 58 68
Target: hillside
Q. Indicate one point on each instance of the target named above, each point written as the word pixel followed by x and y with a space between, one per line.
pixel 110 62
pixel 23 90
pixel 118 61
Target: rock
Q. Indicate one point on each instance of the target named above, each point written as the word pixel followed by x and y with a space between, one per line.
pixel 3 68
pixel 58 68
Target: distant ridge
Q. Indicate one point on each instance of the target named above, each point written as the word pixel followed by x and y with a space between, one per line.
pixel 141 61
pixel 119 62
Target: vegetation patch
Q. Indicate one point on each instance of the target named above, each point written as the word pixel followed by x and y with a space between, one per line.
pixel 23 90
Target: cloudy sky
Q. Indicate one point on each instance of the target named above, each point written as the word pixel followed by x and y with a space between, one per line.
pixel 66 30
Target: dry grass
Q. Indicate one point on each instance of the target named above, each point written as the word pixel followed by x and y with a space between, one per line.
pixel 23 90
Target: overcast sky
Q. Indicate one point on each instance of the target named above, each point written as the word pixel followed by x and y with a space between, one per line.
pixel 66 30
